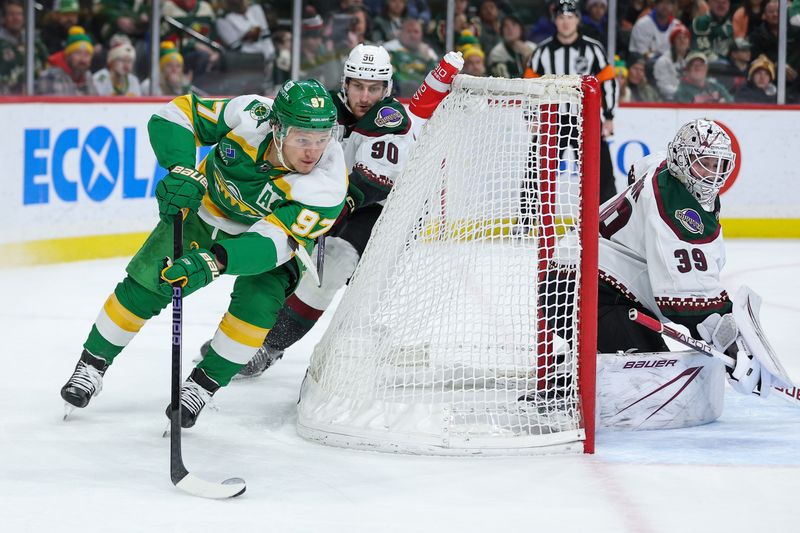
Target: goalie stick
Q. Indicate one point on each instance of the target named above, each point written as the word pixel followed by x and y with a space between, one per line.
pixel 181 477
pixel 790 394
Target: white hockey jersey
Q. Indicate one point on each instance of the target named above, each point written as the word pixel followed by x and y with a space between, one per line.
pixel 376 147
pixel 659 248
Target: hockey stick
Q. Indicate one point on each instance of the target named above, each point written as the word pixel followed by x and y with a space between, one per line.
pixel 181 477
pixel 792 395
pixel 304 258
pixel 199 36
pixel 698 345
pixel 320 257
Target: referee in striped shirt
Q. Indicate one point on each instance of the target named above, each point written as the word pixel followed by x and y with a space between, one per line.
pixel 569 52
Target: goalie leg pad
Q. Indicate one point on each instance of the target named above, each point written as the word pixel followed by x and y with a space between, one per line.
pixel 661 390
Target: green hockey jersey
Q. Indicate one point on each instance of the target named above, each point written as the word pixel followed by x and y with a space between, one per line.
pixel 247 195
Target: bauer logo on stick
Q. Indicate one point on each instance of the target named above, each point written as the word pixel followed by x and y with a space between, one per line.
pixel 690 219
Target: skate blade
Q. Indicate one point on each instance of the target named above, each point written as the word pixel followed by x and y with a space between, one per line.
pixel 68 408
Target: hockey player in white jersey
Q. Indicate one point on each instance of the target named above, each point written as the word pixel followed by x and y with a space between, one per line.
pixel 661 244
pixel 378 135
pixel 661 251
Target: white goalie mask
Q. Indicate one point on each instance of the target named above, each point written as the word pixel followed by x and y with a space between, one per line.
pixel 700 156
pixel 368 62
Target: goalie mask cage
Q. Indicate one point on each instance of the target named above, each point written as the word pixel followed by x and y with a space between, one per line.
pixel 450 339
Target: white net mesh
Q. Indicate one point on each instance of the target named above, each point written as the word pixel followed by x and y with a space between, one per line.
pixel 454 335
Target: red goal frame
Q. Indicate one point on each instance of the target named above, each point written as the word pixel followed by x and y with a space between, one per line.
pixel 546 241
pixel 587 295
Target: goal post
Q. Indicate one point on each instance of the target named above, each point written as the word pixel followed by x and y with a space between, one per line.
pixel 462 332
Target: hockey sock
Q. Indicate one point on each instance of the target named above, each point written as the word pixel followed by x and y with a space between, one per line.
pixel 294 320
pixel 218 368
pixel 122 316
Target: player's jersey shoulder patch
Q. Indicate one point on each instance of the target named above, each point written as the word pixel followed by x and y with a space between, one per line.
pixel 690 219
pixel 681 211
pixel 387 116
pixel 258 110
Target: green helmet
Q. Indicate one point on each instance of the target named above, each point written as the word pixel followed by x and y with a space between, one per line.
pixel 304 104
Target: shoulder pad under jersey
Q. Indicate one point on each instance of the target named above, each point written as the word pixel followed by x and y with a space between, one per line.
pixel 387 116
pixel 681 211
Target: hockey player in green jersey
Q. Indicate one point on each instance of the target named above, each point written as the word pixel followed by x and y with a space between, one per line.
pixel 276 179
pixel 378 138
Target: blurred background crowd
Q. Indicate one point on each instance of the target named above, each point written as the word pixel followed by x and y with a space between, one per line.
pixel 700 51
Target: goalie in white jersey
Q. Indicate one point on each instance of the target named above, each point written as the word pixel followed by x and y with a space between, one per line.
pixel 661 247
pixel 661 251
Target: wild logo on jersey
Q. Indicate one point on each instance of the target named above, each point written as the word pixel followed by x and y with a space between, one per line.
pixel 230 192
pixel 266 200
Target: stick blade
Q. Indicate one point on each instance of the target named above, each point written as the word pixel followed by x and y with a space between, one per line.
pixel 230 488
pixel 304 258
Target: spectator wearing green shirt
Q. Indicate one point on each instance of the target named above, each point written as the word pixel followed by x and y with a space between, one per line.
pixel 712 33
pixel 412 59
pixel 12 49
pixel 696 87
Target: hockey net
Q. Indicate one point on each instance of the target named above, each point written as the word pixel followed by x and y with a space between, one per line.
pixel 451 337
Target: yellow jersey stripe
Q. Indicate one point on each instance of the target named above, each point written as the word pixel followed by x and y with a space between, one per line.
pixel 272 219
pixel 284 186
pixel 211 207
pixel 184 103
pixel 121 316
pixel 246 146
pixel 242 332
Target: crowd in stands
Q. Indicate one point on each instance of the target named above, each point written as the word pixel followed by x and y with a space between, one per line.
pixel 699 51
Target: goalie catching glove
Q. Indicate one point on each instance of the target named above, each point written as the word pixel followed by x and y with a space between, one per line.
pixel 746 376
pixel 183 187
pixel 194 270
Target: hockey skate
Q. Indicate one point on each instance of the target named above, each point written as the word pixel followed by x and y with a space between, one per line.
pixel 86 381
pixel 264 358
pixel 196 392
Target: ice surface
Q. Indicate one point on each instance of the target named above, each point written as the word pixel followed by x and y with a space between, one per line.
pixel 107 468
